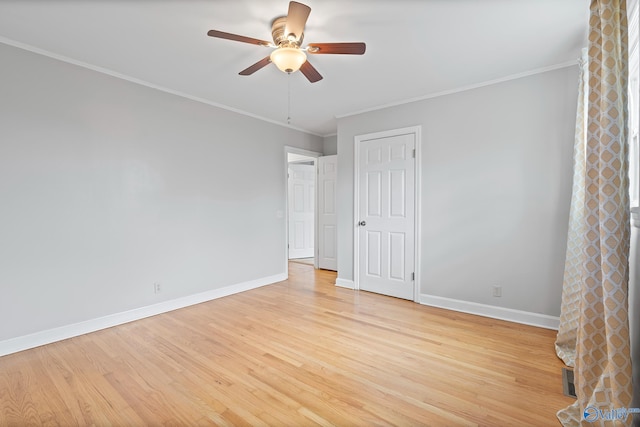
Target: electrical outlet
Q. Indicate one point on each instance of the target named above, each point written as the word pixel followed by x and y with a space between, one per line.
pixel 497 291
pixel 156 287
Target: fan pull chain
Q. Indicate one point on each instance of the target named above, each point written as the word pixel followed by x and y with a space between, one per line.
pixel 289 99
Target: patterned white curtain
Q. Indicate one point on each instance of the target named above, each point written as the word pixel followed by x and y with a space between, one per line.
pixel 602 350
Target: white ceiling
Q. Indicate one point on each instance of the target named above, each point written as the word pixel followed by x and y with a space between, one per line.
pixel 415 48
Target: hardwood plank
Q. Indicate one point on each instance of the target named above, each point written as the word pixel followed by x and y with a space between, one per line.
pixel 300 352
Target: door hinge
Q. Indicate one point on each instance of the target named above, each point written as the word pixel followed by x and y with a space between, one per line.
pixel 414 153
pixel 413 276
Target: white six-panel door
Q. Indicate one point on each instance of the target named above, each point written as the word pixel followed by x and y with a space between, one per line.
pixel 301 210
pixel 327 223
pixel 386 211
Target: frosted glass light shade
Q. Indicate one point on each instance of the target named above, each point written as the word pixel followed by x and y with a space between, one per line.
pixel 288 59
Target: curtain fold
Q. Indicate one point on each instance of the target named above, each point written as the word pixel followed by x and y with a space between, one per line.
pixel 570 308
pixel 602 356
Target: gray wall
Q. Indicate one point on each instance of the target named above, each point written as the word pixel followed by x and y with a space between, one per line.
pixel 496 186
pixel 108 186
pixel 330 145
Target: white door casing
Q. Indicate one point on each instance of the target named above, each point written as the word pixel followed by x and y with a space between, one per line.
pixel 327 222
pixel 386 192
pixel 301 210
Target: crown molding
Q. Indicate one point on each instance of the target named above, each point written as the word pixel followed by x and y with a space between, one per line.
pixel 463 88
pixel 141 82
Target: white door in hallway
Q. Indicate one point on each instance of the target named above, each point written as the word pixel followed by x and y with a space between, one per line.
pixel 327 223
pixel 386 211
pixel 301 210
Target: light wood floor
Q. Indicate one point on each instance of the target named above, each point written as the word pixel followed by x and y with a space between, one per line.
pixel 300 352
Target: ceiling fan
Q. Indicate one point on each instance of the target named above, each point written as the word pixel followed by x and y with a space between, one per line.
pixel 289 55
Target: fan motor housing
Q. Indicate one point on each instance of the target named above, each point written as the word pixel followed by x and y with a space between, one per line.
pixel 279 37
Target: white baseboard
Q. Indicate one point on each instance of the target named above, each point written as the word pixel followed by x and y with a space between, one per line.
pixel 14 345
pixel 511 315
pixel 344 283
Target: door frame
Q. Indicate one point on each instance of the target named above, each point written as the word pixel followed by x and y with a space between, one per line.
pixel 314 154
pixel 357 142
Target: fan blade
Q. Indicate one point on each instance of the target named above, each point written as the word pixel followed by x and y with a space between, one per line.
pixel 310 72
pixel 296 19
pixel 255 67
pixel 337 48
pixel 237 38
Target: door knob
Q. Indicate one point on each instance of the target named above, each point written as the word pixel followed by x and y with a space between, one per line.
pixel 362 223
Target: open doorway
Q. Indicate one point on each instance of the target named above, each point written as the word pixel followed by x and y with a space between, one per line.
pixel 301 205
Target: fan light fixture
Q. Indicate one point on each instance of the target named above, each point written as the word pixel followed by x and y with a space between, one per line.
pixel 288 59
pixel 289 55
